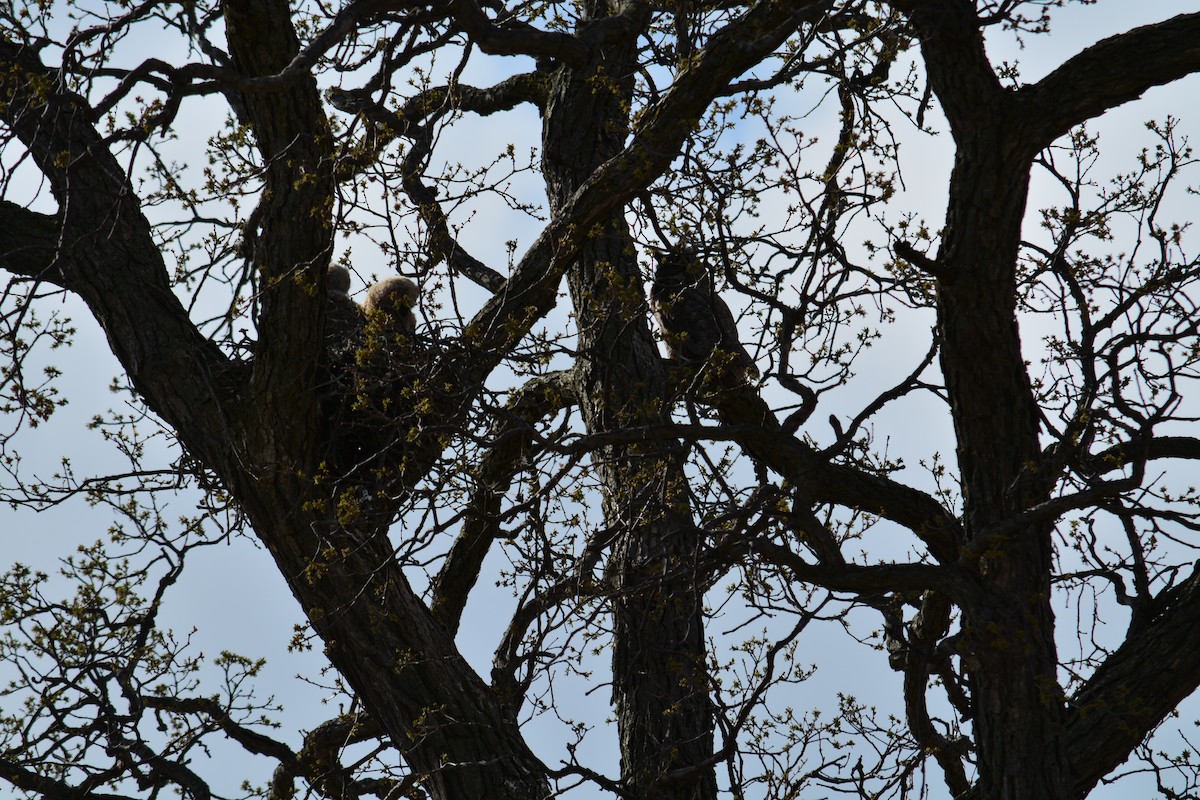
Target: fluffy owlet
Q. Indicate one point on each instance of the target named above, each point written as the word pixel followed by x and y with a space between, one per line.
pixel 395 297
pixel 694 319
pixel 343 317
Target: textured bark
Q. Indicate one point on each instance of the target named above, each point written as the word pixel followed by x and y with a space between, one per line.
pixel 1011 631
pixel 1111 72
pixel 1027 744
pixel 263 433
pixel 1016 700
pixel 1142 682
pixel 377 632
pixel 100 246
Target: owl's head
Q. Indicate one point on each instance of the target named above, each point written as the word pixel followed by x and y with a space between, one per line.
pixel 337 279
pixel 392 294
pixel 679 266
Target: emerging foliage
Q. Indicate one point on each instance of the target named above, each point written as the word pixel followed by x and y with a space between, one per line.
pixel 658 418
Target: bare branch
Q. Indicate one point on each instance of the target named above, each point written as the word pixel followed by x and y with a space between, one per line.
pixel 511 38
pixel 513 439
pixel 1110 73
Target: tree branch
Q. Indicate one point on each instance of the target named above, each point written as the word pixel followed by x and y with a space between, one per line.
pixel 320 762
pixel 527 87
pixel 865 579
pixel 441 241
pixel 48 788
pixel 536 400
pixel 29 243
pixel 517 38
pixel 764 439
pixel 1109 73
pixel 1136 687
pixel 1122 454
pixel 104 251
pixel 250 740
pixel 295 209
pixel 955 59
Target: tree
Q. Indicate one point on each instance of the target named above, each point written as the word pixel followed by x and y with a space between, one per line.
pixel 627 490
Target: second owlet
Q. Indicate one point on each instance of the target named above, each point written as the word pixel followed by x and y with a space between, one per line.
pixel 694 319
pixel 343 317
pixel 394 297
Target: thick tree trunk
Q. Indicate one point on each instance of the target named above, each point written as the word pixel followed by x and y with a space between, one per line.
pixel 412 680
pixel 660 690
pixel 1018 704
pixel 1018 707
pixel 377 632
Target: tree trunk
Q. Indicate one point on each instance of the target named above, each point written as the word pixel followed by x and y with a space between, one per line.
pixel 436 709
pixel 1018 703
pixel 660 691
pixel 377 633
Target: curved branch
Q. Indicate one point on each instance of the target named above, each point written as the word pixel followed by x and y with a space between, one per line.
pixel 165 769
pixel 747 420
pixel 765 440
pixel 252 741
pixel 536 400
pixel 517 39
pixel 1123 454
pixel 319 762
pixel 30 781
pixel 1109 73
pixel 1136 687
pixel 29 243
pixel 441 241
pixel 865 579
pixel 527 87
pixel 101 247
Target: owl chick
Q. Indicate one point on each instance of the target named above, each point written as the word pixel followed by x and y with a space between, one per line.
pixel 394 297
pixel 337 279
pixel 694 319
pixel 343 317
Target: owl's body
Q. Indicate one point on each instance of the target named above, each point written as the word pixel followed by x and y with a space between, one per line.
pixel 694 319
pixel 389 302
pixel 372 364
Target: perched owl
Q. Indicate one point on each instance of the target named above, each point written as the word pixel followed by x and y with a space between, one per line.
pixel 394 297
pixel 694 319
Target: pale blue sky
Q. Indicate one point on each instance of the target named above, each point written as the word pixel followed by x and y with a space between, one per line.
pixel 236 600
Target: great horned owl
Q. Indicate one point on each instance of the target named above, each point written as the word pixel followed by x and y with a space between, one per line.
pixel 394 297
pixel 694 319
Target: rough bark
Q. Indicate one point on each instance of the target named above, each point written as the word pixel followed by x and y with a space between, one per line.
pixel 263 433
pixel 660 691
pixel 1013 660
